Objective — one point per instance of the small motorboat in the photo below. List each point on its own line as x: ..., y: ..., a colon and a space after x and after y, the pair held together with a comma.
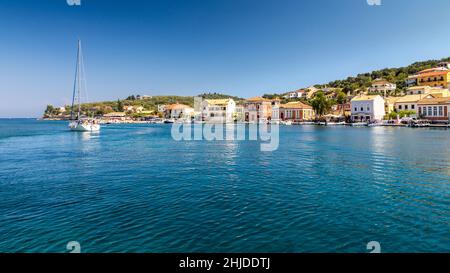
x: 418, y: 123
x: 374, y: 124
x: 359, y: 124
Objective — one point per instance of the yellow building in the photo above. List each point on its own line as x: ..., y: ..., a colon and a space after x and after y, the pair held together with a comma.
x: 389, y: 104
x: 434, y: 78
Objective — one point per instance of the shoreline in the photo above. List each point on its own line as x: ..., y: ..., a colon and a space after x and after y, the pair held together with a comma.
x: 105, y: 122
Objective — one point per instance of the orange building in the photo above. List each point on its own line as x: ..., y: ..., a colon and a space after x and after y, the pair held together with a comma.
x: 258, y: 109
x: 296, y: 111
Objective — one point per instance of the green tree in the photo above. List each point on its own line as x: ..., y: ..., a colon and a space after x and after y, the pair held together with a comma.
x: 341, y: 99
x: 49, y: 110
x: 119, y: 106
x: 321, y: 104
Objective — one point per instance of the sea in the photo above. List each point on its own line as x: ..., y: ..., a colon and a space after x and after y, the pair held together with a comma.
x: 133, y: 188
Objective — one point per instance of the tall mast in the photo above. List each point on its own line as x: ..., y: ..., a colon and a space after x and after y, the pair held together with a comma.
x: 75, y: 83
x: 79, y: 76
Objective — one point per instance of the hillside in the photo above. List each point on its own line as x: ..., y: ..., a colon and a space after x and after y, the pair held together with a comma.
x: 150, y: 103
x: 394, y: 75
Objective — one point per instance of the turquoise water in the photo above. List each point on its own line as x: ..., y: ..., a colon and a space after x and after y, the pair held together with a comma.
x: 131, y: 188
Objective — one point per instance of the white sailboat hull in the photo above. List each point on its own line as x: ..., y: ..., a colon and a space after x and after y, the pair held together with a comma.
x: 84, y: 127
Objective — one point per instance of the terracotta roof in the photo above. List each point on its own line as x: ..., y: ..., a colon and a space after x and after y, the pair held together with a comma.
x: 392, y: 99
x: 365, y: 97
x: 441, y: 100
x: 380, y: 81
x: 257, y: 99
x: 218, y: 101
x: 177, y: 106
x: 434, y: 69
x: 435, y: 73
x: 296, y: 105
x: 411, y: 98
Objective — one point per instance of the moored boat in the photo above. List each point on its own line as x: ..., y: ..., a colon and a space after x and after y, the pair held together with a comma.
x: 418, y: 123
x: 358, y: 124
x: 78, y: 123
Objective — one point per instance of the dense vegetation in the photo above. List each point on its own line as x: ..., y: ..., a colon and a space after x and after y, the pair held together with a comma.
x: 394, y: 75
x: 150, y: 104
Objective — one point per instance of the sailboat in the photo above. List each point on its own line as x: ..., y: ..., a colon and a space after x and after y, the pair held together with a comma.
x: 77, y: 122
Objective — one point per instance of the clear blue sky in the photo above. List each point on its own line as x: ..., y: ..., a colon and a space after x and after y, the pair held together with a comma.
x: 185, y: 47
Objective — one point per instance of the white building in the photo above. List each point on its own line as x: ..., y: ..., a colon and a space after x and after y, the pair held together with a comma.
x: 382, y: 86
x: 218, y: 110
x: 367, y: 108
x: 161, y: 108
x: 297, y: 94
x: 178, y: 110
x: 240, y: 113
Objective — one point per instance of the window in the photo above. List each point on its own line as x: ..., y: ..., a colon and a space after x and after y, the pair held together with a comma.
x: 406, y: 107
x: 356, y: 109
x: 362, y: 109
x: 440, y: 111
x: 435, y: 111
x: 400, y: 107
x: 368, y: 108
x: 412, y: 106
x: 429, y: 111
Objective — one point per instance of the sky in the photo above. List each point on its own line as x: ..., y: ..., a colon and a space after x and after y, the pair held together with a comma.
x: 186, y: 47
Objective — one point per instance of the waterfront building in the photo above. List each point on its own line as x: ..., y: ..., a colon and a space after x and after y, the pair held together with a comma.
x: 239, y: 115
x: 367, y: 108
x: 382, y: 86
x: 115, y: 117
x: 177, y: 110
x: 434, y: 109
x: 275, y: 110
x: 389, y: 104
x: 296, y: 111
x: 342, y: 109
x: 258, y: 109
x: 218, y: 110
x: 408, y: 102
